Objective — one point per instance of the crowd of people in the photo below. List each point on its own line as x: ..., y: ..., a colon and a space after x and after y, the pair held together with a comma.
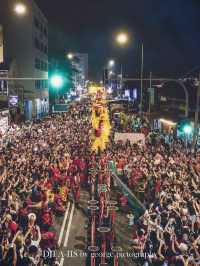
x: 166, y: 179
x: 130, y: 123
x: 42, y: 164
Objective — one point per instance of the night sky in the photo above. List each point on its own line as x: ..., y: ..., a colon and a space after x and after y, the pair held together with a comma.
x: 170, y: 31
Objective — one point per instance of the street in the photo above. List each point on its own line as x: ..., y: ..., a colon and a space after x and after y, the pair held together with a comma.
x: 99, y: 133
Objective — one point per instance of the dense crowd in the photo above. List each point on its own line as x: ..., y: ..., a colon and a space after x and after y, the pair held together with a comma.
x: 166, y: 179
x: 40, y: 164
x: 43, y: 164
x: 130, y: 123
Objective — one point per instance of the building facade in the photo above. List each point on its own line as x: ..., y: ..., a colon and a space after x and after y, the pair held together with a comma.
x: 24, y: 52
x: 80, y: 66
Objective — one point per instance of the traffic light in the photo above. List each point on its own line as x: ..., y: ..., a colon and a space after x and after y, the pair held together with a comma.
x: 185, y: 127
x: 57, y: 81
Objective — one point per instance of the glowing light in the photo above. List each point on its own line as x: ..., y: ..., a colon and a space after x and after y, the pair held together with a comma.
x: 111, y: 63
x: 109, y: 90
x: 70, y: 56
x: 122, y: 38
x: 168, y: 122
x: 20, y: 9
x: 56, y: 81
x: 187, y: 129
x: 110, y: 72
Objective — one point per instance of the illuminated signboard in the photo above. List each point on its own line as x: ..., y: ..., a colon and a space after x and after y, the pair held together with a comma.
x: 13, y: 100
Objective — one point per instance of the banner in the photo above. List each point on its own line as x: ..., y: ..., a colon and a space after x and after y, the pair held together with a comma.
x: 132, y: 137
x: 3, y: 125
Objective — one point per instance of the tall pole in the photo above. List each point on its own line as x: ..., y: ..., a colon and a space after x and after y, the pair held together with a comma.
x: 104, y: 83
x: 196, y: 118
x: 141, y: 77
x: 121, y: 82
x: 181, y: 83
x: 150, y: 85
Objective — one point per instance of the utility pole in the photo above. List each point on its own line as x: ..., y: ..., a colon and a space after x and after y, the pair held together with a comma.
x: 141, y: 78
x: 121, y: 82
x: 196, y: 118
x: 150, y: 87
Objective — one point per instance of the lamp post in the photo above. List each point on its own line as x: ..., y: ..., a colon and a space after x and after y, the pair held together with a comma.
x: 141, y: 76
x: 20, y: 9
x: 122, y: 39
x: 70, y: 56
x: 111, y: 63
x: 196, y: 118
x: 107, y: 72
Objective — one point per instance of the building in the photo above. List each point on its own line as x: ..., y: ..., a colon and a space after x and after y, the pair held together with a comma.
x: 24, y: 54
x: 1, y: 44
x: 80, y: 67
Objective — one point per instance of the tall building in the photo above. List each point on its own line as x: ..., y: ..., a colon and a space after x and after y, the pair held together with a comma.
x: 24, y: 54
x: 1, y: 44
x: 80, y: 66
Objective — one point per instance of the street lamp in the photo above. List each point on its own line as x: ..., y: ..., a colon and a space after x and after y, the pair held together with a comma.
x: 110, y: 73
x: 20, y: 9
x: 111, y: 63
x: 122, y: 38
x: 70, y: 56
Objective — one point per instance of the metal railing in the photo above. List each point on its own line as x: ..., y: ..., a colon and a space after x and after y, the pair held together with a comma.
x: 133, y: 201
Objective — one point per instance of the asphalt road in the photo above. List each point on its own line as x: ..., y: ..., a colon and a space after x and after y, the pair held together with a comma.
x: 72, y: 233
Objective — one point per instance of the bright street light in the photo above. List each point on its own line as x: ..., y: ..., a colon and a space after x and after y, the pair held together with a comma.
x: 70, y: 56
x: 122, y: 38
x: 20, y: 9
x: 111, y: 63
x: 110, y: 72
x: 187, y: 129
x: 56, y: 81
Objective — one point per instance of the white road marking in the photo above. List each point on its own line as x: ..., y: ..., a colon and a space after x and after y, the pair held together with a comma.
x: 69, y: 225
x: 63, y: 224
x: 62, y: 261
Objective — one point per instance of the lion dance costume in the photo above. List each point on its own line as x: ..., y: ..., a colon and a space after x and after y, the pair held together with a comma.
x: 100, y: 122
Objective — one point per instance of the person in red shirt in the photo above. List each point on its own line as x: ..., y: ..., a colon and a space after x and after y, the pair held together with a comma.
x: 123, y: 201
x: 157, y: 186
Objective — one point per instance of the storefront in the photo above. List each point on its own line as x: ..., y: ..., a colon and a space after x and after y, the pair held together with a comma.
x: 41, y: 107
x: 4, y: 124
